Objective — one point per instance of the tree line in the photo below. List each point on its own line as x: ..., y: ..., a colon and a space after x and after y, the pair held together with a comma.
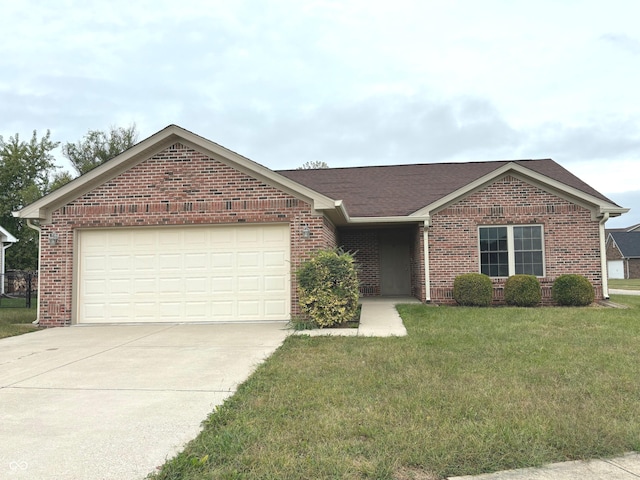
x: 28, y: 171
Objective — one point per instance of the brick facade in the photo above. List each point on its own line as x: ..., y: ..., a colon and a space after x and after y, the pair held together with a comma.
x: 178, y: 186
x: 571, y: 236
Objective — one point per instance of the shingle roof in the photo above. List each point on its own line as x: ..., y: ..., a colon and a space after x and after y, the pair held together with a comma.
x: 628, y: 243
x: 399, y: 190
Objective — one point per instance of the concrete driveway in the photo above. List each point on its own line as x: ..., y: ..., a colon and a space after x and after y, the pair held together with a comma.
x: 114, y: 402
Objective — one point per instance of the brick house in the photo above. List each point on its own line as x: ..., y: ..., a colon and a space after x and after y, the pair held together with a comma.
x: 178, y: 228
x: 623, y: 253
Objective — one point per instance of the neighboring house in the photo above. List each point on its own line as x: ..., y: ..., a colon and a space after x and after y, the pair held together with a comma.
x: 623, y: 253
x: 6, y: 240
x: 178, y: 228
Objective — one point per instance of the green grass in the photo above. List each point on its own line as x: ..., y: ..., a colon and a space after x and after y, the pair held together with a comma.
x: 630, y: 284
x: 469, y: 391
x: 15, y: 319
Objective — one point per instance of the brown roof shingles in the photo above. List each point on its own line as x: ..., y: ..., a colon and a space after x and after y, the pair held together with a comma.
x: 399, y: 190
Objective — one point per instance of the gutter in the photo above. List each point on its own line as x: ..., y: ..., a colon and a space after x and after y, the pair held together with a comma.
x: 37, y: 229
x: 603, y: 257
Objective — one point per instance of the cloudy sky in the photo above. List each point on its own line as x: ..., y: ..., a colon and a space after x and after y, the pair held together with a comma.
x: 346, y: 82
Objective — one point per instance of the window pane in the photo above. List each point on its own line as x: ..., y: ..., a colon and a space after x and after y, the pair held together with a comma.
x: 494, y: 256
x: 528, y: 252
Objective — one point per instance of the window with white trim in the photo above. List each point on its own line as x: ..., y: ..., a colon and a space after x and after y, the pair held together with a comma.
x: 511, y: 249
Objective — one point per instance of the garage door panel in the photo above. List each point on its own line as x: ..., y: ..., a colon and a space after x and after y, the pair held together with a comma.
x: 95, y: 263
x: 274, y: 259
x: 273, y: 284
x: 120, y: 286
x: 223, y: 260
x: 196, y: 261
x: 274, y: 308
x: 249, y: 284
x: 248, y: 260
x: 248, y: 308
x: 222, y: 285
x: 216, y: 273
x: 144, y: 286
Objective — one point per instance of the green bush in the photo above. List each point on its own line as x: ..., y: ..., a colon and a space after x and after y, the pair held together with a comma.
x: 522, y: 291
x: 572, y: 290
x: 473, y: 289
x: 328, y: 287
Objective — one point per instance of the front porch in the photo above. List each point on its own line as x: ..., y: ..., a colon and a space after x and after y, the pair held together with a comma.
x: 390, y: 259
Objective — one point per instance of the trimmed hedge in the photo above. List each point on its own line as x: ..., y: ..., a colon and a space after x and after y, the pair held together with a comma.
x: 572, y: 290
x: 473, y: 290
x: 328, y: 287
x: 522, y: 291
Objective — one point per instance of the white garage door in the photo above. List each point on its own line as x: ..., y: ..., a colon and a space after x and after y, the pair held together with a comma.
x: 616, y: 269
x: 192, y: 274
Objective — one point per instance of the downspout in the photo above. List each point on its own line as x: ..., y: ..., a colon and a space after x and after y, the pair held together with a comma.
x: 427, y: 280
x: 603, y: 257
x: 37, y: 229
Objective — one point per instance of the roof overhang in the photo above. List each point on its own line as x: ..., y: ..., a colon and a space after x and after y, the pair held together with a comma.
x: 597, y: 206
x: 6, y: 237
x: 43, y: 208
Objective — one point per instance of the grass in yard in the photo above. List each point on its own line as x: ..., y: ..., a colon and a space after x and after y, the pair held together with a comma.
x: 14, y: 318
x: 470, y: 390
x: 629, y: 284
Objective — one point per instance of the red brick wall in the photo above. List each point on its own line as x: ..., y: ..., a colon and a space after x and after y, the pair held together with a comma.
x: 178, y: 186
x: 364, y: 243
x: 571, y: 237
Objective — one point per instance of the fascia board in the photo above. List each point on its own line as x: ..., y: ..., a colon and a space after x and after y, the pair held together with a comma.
x: 379, y: 220
x: 41, y: 209
x: 596, y: 205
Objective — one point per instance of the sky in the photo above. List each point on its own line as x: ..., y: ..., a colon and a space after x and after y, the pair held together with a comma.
x: 350, y: 82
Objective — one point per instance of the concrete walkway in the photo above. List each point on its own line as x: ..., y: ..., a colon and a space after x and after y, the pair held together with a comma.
x: 617, y: 291
x: 626, y: 467
x: 378, y: 318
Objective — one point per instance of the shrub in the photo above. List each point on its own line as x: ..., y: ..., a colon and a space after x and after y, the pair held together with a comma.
x: 572, y: 290
x: 328, y: 287
x: 522, y: 291
x: 473, y: 289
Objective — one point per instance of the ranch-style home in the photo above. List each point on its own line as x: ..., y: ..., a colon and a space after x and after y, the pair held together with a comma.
x: 181, y: 229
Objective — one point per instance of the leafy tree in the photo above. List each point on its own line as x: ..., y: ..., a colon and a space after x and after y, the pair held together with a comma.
x: 98, y: 146
x: 25, y: 170
x: 313, y: 164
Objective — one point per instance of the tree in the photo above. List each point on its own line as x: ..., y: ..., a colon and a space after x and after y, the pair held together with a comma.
x: 25, y: 170
x: 313, y: 164
x: 97, y: 146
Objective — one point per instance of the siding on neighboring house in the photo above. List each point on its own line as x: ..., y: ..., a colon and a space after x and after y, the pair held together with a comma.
x: 571, y: 236
x: 178, y: 186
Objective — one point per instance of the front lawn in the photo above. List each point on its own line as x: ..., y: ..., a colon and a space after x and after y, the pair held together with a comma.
x: 14, y: 318
x: 628, y: 284
x: 469, y: 390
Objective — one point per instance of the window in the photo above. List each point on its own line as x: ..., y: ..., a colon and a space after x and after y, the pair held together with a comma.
x: 511, y: 250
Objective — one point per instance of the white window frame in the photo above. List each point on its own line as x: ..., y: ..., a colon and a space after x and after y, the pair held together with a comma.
x: 511, y: 253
